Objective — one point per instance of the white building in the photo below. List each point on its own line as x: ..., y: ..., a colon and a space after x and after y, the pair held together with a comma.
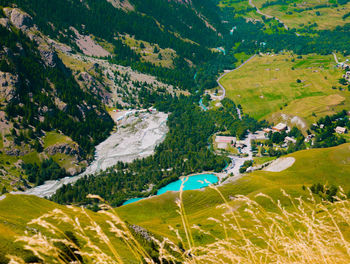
x: 225, y: 139
x: 280, y: 127
x: 340, y: 130
x: 290, y: 140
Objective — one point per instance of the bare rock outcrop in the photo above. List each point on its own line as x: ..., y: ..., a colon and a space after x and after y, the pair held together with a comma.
x: 49, y: 56
x: 88, y: 46
x: 19, y: 18
x: 142, y: 232
x: 65, y: 148
x: 74, y: 170
x: 122, y: 4
x: 5, y: 22
x: 16, y: 152
x: 95, y: 87
x: 8, y: 83
x: 60, y: 104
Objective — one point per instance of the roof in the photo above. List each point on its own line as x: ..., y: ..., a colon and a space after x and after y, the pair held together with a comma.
x: 280, y: 126
x: 289, y: 139
x: 224, y: 139
x: 340, y: 129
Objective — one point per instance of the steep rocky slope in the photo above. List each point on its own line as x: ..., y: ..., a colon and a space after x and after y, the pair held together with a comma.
x: 39, y: 95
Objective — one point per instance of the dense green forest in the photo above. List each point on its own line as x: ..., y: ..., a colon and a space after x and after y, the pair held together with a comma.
x: 47, y: 170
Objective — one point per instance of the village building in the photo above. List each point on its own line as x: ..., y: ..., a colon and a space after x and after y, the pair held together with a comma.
x: 290, y: 140
x: 342, y: 65
x: 260, y: 135
x: 346, y: 76
x: 225, y: 139
x: 267, y: 130
x: 340, y: 130
x: 240, y: 144
x: 280, y: 127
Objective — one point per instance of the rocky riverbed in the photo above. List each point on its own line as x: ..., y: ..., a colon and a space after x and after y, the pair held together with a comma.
x: 137, y: 136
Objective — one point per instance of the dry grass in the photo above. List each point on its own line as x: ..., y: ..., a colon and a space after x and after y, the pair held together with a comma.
x: 310, y: 232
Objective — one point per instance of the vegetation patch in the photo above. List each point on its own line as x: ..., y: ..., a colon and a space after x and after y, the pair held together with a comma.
x: 324, y: 14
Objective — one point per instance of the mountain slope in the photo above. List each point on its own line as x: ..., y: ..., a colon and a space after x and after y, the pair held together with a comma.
x: 40, y: 95
x: 55, y: 89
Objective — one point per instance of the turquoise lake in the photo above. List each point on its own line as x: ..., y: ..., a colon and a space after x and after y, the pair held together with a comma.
x: 193, y: 183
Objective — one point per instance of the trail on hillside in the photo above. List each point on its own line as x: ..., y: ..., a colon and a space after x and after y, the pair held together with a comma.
x: 335, y: 58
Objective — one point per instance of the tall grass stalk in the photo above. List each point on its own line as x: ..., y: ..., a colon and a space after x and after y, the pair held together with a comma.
x: 299, y: 230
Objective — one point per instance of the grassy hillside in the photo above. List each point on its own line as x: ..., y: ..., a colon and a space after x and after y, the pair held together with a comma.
x: 298, y: 14
x: 204, y: 209
x: 331, y: 166
x: 151, y: 53
x: 271, y: 85
x: 18, y: 210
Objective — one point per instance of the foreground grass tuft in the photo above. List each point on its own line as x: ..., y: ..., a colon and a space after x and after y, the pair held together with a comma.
x: 309, y: 231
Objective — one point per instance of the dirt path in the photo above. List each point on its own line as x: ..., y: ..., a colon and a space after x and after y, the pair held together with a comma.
x: 336, y: 58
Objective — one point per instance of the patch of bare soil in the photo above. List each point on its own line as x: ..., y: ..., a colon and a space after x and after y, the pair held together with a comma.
x: 280, y: 164
x: 88, y: 46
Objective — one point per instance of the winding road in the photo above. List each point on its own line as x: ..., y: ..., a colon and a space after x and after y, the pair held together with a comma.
x: 335, y: 58
x: 236, y: 161
x: 223, y: 75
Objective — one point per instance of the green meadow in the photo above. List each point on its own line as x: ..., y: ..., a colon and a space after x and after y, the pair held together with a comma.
x: 271, y: 85
x: 299, y: 13
x: 325, y: 166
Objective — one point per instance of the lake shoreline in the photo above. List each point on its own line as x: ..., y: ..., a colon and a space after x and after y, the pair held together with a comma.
x: 177, y: 182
